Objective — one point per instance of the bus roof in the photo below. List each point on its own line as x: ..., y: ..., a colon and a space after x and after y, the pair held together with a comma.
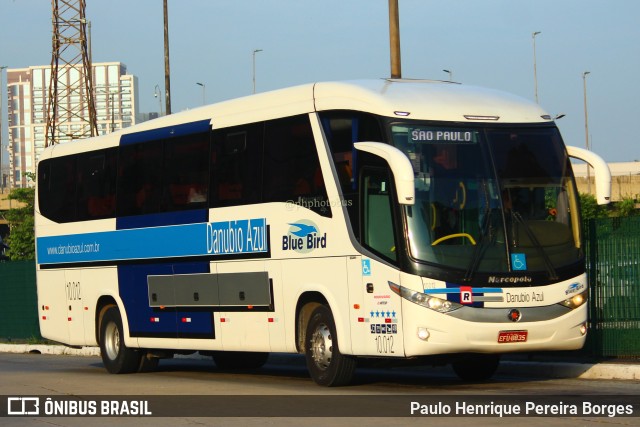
x: 413, y: 99
x: 428, y: 100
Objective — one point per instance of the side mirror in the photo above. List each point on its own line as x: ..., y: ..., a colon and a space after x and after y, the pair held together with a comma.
x: 400, y: 167
x: 601, y: 169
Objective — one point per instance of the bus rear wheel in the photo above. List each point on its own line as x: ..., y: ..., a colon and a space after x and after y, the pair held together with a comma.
x: 326, y: 365
x: 116, y: 356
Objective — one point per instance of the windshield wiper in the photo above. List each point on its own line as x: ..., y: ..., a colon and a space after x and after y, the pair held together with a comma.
x: 536, y: 243
x: 481, y: 247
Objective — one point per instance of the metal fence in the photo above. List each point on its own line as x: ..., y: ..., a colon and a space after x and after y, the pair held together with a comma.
x: 18, y: 301
x: 613, y: 269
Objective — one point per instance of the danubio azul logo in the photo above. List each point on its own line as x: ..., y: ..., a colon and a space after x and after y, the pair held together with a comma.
x: 237, y: 237
x: 246, y: 236
x: 303, y: 237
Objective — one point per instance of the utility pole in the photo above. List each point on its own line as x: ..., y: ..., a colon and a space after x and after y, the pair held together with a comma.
x: 394, y: 39
x: 167, y: 70
x: 586, y: 126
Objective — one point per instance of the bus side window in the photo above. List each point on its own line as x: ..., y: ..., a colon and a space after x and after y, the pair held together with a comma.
x: 291, y: 166
x: 97, y: 184
x: 377, y: 221
x: 139, y: 178
x: 57, y: 188
x: 236, y: 168
x: 186, y: 172
x: 342, y: 129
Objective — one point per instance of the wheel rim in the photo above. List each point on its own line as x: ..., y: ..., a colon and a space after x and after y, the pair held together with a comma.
x: 112, y: 341
x: 322, y: 346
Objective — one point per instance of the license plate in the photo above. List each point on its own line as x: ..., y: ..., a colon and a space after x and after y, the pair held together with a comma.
x: 512, y: 336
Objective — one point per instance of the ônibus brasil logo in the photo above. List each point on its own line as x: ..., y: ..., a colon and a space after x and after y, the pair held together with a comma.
x: 303, y: 237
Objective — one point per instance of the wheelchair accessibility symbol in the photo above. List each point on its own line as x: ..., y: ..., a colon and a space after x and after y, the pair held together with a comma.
x: 366, y: 267
x: 519, y: 262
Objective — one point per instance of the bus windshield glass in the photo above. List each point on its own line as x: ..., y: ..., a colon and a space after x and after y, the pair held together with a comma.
x: 490, y: 200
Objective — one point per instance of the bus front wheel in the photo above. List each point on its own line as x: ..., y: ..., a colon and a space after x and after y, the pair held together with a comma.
x: 116, y: 356
x: 326, y: 365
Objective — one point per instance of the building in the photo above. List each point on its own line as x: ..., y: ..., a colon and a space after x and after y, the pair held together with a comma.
x: 116, y: 101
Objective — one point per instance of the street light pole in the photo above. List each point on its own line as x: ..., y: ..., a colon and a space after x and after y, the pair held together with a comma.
x: 586, y: 126
x: 157, y: 93
x: 167, y: 69
x: 204, y: 97
x: 254, y: 68
x: 535, y: 71
x: 2, y: 67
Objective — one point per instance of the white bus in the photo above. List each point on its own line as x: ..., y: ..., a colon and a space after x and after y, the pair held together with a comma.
x: 410, y: 221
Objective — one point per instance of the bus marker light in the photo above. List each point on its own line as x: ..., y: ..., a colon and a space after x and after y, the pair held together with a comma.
x: 583, y: 328
x: 44, y: 317
x: 423, y: 334
x: 68, y: 319
x: 360, y: 319
x: 476, y: 117
x: 356, y: 306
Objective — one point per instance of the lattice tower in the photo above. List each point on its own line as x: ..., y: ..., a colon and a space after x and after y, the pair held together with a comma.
x: 71, y: 112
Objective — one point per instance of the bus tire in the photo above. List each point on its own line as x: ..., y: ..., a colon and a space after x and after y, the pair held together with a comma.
x: 326, y: 365
x: 116, y: 356
x: 479, y: 367
x: 233, y: 360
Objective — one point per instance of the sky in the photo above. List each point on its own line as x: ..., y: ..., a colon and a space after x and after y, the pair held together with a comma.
x: 482, y: 42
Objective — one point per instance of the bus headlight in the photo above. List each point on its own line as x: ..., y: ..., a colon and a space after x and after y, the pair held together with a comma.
x: 433, y: 303
x: 576, y: 300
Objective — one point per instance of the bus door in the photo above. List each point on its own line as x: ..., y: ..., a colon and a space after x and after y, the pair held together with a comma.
x: 380, y: 307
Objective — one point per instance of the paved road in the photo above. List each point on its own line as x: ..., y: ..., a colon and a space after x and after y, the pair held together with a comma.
x: 292, y: 391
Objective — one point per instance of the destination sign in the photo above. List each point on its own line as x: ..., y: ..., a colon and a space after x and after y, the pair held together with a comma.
x: 443, y: 135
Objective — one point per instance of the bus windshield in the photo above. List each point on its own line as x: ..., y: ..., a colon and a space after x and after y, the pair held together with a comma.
x: 490, y: 200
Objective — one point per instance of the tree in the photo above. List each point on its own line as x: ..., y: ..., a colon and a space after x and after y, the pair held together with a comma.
x: 626, y: 207
x: 589, y: 207
x: 21, y: 240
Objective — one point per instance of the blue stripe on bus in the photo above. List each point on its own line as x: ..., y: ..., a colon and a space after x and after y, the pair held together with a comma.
x: 452, y: 293
x: 166, y: 132
x: 456, y: 290
x: 247, y: 236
